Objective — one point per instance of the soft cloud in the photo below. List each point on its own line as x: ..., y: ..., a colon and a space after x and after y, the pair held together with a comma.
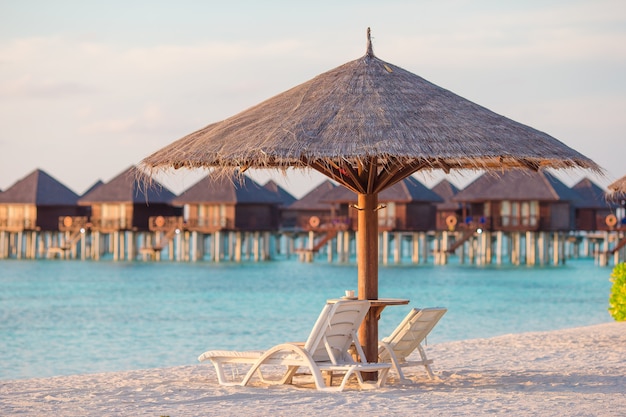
x: 28, y: 86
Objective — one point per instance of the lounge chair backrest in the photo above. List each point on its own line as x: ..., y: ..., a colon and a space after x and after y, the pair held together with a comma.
x: 335, y: 329
x: 412, y: 331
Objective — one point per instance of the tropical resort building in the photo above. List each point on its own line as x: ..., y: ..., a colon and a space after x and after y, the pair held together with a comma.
x: 29, y: 217
x: 523, y: 215
x: 448, y: 211
x: 231, y: 217
x: 406, y: 213
x: 121, y: 212
x: 512, y: 217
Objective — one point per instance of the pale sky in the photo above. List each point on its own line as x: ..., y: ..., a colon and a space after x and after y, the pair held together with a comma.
x: 89, y: 88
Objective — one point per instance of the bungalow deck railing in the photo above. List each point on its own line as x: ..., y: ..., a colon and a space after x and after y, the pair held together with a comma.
x: 165, y: 223
x: 320, y: 223
x: 209, y: 224
x: 17, y: 225
x: 110, y: 224
x: 502, y: 223
x: 73, y: 223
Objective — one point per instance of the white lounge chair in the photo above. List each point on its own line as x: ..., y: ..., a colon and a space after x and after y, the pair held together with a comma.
x: 326, y: 350
x: 407, y: 337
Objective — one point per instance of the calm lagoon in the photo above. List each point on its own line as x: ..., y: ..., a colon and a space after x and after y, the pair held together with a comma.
x: 70, y: 317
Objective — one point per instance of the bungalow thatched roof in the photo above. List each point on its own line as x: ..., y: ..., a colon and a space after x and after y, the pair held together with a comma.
x: 93, y: 187
x: 221, y: 190
x: 446, y: 190
x: 364, y: 109
x: 592, y: 196
x: 406, y: 191
x: 285, y: 198
x: 40, y: 189
x: 125, y: 188
x: 312, y: 200
x: 517, y: 185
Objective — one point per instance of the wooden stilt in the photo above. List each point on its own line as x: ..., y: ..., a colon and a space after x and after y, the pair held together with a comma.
x: 238, y: 247
x: 385, y: 251
x: 415, y: 254
x: 397, y: 248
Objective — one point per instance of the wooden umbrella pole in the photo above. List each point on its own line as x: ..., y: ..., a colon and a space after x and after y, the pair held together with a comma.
x: 367, y: 262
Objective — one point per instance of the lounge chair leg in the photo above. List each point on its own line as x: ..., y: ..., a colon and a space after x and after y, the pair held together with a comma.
x: 328, y: 378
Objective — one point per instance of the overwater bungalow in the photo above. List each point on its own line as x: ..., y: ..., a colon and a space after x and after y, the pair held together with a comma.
x: 406, y: 212
x: 528, y: 208
x: 593, y: 210
x: 285, y: 199
x: 123, y: 208
x: 449, y: 211
x: 214, y: 204
x: 406, y: 206
x: 29, y: 215
x: 309, y: 211
x: 518, y: 200
x: 235, y: 209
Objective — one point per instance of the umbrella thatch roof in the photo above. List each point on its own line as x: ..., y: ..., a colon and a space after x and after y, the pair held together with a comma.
x: 367, y: 113
x: 41, y: 189
x: 618, y: 186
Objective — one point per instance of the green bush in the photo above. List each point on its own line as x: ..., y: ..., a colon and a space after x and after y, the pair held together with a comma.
x: 617, y: 299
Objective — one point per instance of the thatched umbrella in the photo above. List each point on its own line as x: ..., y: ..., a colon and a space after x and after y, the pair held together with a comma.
x: 367, y: 125
x: 619, y: 186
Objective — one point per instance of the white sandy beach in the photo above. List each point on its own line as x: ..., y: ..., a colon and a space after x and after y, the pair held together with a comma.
x: 573, y: 372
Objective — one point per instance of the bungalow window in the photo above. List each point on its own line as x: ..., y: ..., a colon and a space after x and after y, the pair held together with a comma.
x: 534, y: 213
x: 387, y: 215
x: 519, y: 213
x: 525, y: 212
x: 505, y: 212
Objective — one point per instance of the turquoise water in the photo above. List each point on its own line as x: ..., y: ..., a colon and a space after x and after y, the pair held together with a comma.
x: 69, y: 317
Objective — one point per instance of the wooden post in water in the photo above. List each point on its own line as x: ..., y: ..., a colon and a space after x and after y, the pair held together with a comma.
x: 397, y: 253
x: 436, y: 251
x: 444, y: 248
x: 555, y: 248
x: 385, y: 251
x: 2, y: 244
x: 499, y: 246
x: 238, y: 247
x: 530, y: 248
x: 267, y: 246
x: 424, y: 246
x: 415, y: 255
x: 461, y: 249
x: 83, y: 245
x: 217, y: 246
x: 254, y: 246
x: 19, y: 244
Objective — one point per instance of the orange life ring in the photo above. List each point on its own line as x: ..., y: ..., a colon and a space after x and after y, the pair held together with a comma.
x: 67, y: 221
x: 611, y: 220
x: 451, y: 221
x: 314, y: 221
x: 159, y: 221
